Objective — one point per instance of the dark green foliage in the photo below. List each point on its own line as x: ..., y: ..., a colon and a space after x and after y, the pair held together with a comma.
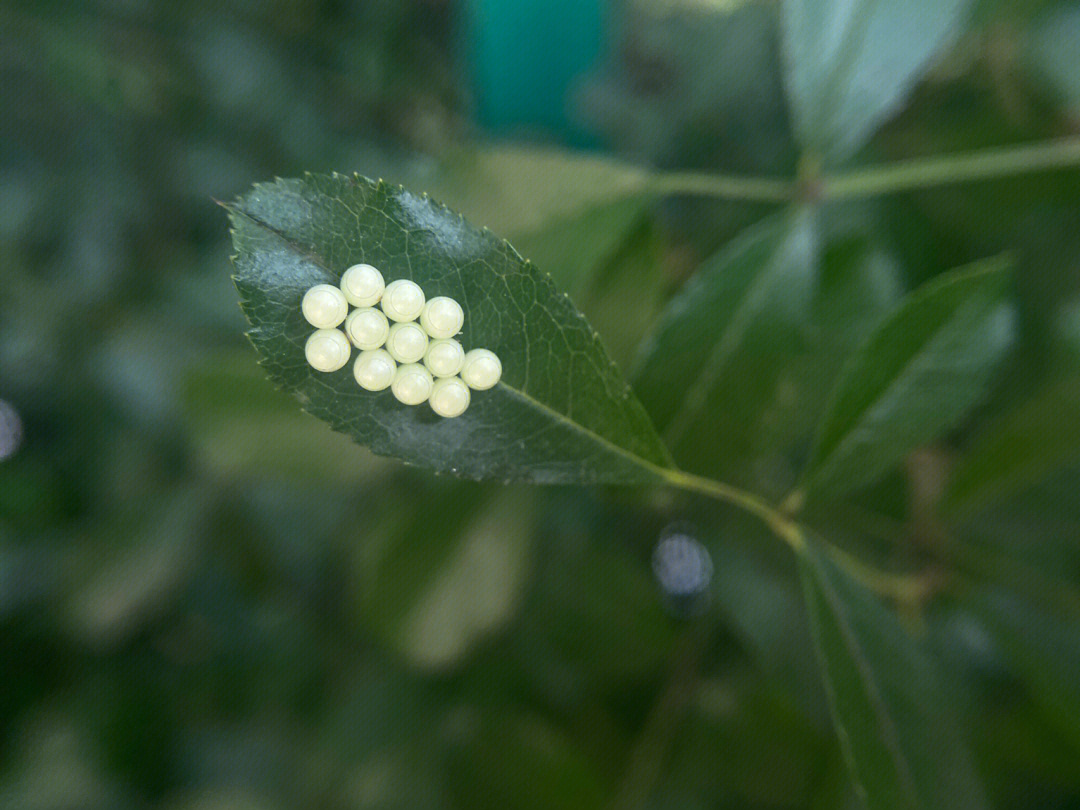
x: 210, y: 599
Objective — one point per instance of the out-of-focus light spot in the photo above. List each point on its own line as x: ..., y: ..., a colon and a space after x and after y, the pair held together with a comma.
x: 682, y: 565
x: 11, y: 430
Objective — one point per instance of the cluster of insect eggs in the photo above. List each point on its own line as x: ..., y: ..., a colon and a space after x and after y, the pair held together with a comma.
x: 406, y: 341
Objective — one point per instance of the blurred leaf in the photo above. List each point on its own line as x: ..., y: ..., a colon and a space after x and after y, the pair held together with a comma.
x: 744, y: 745
x: 1052, y: 52
x: 696, y: 85
x: 520, y: 190
x: 859, y: 285
x: 565, y: 212
x: 573, y: 250
x: 892, y: 712
x: 628, y: 291
x: 718, y: 350
x: 562, y: 412
x: 520, y: 761
x: 477, y: 589
x: 56, y: 771
x: 762, y: 606
x: 594, y: 621
x: 1020, y: 448
x: 1027, y: 541
x: 400, y: 778
x: 851, y: 63
x: 915, y: 377
x: 230, y: 410
x: 433, y: 594
x: 131, y: 590
x: 1044, y: 649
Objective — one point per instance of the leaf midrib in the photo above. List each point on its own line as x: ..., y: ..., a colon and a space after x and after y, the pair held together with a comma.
x: 698, y: 391
x: 652, y: 467
x: 828, y: 459
x: 890, y: 736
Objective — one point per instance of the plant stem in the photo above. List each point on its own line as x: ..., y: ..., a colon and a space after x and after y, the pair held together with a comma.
x: 784, y: 528
x: 750, y: 189
x: 909, y: 589
x: 873, y: 181
x: 926, y: 172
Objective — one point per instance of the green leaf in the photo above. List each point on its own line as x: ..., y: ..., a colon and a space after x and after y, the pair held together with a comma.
x: 433, y: 595
x: 561, y: 414
x: 721, y: 345
x: 594, y: 621
x: 519, y: 190
x: 1020, y: 448
x: 566, y: 212
x: 851, y: 63
x: 916, y: 376
x: 1044, y: 649
x: 628, y: 292
x: 229, y: 409
x: 514, y: 759
x: 1051, y: 53
x: 887, y: 696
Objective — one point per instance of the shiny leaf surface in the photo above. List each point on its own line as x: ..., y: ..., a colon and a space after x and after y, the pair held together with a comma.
x: 561, y: 414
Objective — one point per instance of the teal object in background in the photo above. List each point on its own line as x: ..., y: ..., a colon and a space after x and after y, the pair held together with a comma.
x: 525, y: 57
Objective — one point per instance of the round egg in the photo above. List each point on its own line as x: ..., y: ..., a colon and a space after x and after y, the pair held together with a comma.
x: 327, y: 349
x: 374, y: 370
x: 402, y: 300
x: 481, y: 369
x: 407, y: 342
x: 362, y: 285
x: 449, y: 397
x: 442, y: 317
x: 324, y: 306
x: 444, y: 358
x: 412, y: 384
x: 367, y: 328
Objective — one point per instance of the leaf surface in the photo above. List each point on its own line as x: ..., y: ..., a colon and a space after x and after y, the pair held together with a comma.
x: 851, y: 63
x: 1020, y: 448
x: 1044, y: 649
x: 916, y: 376
x: 888, y: 698
x: 720, y: 347
x: 562, y: 413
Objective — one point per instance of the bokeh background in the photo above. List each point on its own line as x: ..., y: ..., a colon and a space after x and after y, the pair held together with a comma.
x: 209, y: 600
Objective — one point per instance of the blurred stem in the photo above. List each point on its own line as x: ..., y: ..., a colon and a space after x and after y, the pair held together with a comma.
x: 784, y: 528
x: 751, y: 189
x: 903, y: 588
x: 906, y: 589
x: 646, y: 759
x: 811, y: 185
x: 926, y: 172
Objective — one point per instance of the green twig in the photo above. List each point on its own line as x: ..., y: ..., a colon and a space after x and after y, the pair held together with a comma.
x: 784, y: 528
x: 749, y: 189
x: 903, y: 588
x: 873, y: 181
x: 926, y: 172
